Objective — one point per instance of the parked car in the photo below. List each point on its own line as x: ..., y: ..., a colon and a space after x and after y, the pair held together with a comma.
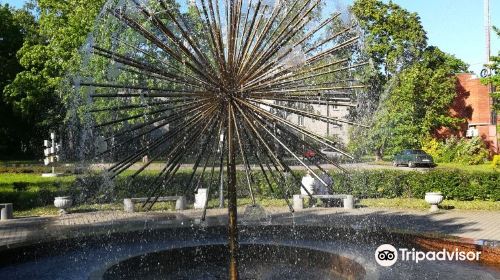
x: 413, y: 158
x: 309, y: 154
x: 331, y: 153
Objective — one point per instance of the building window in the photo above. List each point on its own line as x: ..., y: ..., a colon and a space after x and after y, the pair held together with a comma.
x: 472, y: 132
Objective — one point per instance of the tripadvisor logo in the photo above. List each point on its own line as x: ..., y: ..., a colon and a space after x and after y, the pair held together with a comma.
x: 388, y: 255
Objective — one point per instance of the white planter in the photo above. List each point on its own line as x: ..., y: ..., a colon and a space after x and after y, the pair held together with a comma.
x: 63, y: 203
x: 308, y: 184
x: 433, y: 198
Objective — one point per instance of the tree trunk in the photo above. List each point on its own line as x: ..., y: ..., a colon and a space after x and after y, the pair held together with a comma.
x: 379, y: 155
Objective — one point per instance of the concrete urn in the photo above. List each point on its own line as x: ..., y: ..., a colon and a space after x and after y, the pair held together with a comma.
x: 434, y: 198
x: 63, y: 203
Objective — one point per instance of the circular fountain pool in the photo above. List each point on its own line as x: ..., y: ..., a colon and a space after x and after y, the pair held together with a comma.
x: 257, y: 261
x: 199, y: 252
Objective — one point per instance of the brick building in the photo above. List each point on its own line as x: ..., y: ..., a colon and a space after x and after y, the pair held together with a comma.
x: 473, y: 103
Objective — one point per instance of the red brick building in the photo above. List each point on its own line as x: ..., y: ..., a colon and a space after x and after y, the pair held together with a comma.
x: 473, y: 103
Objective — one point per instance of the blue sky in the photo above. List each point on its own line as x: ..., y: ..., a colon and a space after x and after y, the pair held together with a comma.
x: 455, y: 26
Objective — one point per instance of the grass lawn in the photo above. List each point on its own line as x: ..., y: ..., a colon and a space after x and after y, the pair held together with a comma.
x: 32, y: 178
x: 19, y: 162
x: 420, y: 204
x: 33, y: 182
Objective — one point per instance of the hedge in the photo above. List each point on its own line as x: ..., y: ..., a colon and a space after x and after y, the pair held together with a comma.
x: 457, y: 185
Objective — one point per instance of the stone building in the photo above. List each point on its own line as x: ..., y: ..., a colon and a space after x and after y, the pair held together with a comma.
x: 334, y: 130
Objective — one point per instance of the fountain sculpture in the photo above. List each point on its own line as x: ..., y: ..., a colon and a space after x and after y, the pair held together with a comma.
x: 211, y: 82
x: 164, y: 80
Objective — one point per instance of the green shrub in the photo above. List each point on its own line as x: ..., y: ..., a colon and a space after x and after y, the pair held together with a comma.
x: 24, y: 200
x: 20, y: 186
x: 454, y: 184
x: 495, y: 163
x: 96, y: 189
x: 462, y: 150
x: 28, y: 191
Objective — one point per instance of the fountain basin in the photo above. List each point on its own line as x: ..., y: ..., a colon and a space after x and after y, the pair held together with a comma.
x: 256, y: 261
x: 268, y: 251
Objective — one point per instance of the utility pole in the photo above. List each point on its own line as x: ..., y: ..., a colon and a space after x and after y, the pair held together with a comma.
x: 487, y: 29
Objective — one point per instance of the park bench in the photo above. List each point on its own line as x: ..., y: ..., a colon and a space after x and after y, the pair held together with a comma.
x: 129, y: 203
x: 298, y: 199
x: 6, y: 211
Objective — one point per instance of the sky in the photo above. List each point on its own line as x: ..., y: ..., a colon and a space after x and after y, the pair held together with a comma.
x: 455, y: 26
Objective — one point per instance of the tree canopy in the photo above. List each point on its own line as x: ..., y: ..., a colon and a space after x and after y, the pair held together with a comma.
x: 419, y: 102
x: 52, y: 48
x: 494, y: 79
x: 14, y: 30
x: 413, y: 84
x: 394, y: 37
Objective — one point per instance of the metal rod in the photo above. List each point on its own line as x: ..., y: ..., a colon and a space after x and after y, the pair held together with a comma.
x: 245, y: 163
x: 279, y: 166
x: 231, y: 198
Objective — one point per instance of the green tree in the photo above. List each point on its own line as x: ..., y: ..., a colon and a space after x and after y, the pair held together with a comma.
x: 53, y: 49
x: 494, y: 79
x: 393, y: 40
x: 394, y: 37
x: 418, y: 102
x: 11, y: 40
x: 14, y: 29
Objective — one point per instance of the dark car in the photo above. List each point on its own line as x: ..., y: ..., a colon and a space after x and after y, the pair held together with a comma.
x: 413, y: 158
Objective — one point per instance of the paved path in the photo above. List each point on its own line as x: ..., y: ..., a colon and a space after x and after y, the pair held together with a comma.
x: 476, y: 225
x: 349, y: 166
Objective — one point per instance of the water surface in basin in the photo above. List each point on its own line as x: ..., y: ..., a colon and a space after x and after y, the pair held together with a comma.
x: 257, y: 261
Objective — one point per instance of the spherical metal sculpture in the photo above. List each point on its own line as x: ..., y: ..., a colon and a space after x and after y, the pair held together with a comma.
x: 213, y: 79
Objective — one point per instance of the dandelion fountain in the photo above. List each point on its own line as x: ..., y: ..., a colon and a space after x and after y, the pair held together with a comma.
x: 210, y: 81
x: 218, y: 68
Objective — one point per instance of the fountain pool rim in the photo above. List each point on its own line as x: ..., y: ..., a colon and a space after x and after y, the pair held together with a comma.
x: 354, y: 243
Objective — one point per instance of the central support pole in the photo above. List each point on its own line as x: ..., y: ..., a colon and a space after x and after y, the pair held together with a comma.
x: 231, y: 197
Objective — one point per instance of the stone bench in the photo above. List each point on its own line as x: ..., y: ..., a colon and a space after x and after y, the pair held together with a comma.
x: 298, y: 200
x: 129, y: 203
x: 6, y: 211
